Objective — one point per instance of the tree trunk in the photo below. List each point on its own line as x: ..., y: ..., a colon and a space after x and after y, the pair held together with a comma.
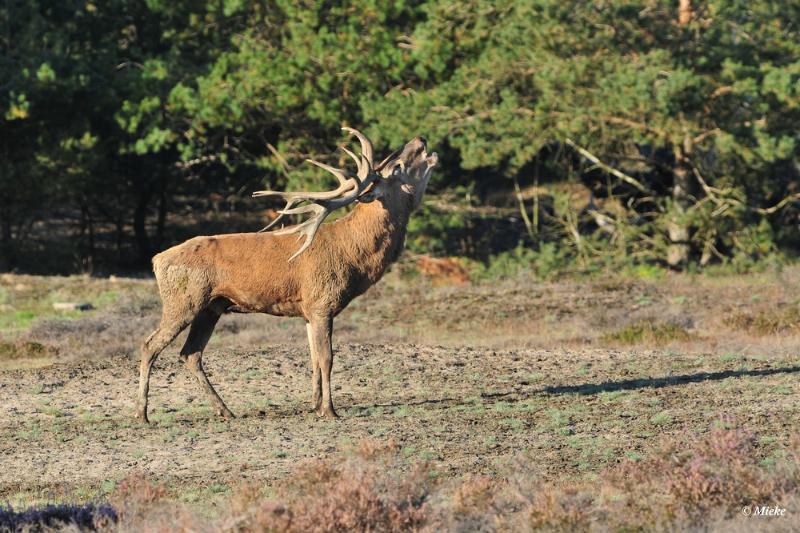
x: 685, y: 12
x: 7, y: 255
x: 87, y: 232
x: 677, y: 228
x: 682, y: 191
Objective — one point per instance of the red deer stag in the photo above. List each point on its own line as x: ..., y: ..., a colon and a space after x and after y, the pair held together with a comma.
x: 205, y: 277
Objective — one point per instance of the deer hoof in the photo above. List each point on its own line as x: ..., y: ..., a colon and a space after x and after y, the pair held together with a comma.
x: 328, y: 413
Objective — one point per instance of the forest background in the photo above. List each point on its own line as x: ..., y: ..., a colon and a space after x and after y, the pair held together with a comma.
x: 574, y: 136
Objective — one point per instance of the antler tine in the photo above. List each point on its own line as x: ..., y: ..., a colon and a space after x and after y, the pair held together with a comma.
x: 366, y: 144
x: 345, y: 184
x: 321, y: 210
x: 293, y: 198
x: 363, y: 170
x: 323, y: 203
x: 281, y: 214
x: 307, y: 229
x: 333, y: 170
x: 311, y: 196
x: 353, y: 156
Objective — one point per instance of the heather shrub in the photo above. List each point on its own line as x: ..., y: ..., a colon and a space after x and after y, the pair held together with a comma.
x: 701, y: 485
x: 567, y: 508
x: 144, y: 505
x: 136, y: 493
x: 111, y: 334
x: 477, y: 503
x: 679, y: 487
x: 363, y: 492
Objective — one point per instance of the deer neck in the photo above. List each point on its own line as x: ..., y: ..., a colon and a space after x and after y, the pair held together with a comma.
x: 375, y: 234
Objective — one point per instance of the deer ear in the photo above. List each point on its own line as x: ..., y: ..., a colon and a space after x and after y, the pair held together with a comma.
x: 372, y: 195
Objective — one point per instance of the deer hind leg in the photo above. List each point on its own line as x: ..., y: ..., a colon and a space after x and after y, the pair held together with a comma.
x: 321, y: 329
x: 192, y: 353
x: 154, y: 345
x: 316, y: 375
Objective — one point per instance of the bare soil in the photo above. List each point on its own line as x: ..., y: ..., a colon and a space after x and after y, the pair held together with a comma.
x: 474, y: 379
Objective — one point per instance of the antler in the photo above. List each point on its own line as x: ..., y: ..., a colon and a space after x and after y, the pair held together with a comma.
x: 323, y: 203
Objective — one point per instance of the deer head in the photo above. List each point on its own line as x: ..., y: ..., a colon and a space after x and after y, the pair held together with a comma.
x: 405, y: 172
x: 409, y: 169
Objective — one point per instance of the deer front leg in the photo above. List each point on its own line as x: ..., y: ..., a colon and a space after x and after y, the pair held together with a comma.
x: 316, y: 375
x: 321, y: 329
x: 194, y: 363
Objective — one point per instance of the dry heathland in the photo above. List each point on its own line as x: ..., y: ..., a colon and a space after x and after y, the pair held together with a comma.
x: 605, y: 403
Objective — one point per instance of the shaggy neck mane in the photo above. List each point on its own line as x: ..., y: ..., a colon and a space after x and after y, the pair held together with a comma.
x: 371, y: 237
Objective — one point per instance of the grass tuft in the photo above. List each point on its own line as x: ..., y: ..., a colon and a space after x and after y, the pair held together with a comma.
x: 25, y: 350
x: 649, y: 332
x: 767, y: 322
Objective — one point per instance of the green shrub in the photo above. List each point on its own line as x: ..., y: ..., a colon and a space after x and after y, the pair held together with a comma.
x: 547, y: 262
x: 648, y: 331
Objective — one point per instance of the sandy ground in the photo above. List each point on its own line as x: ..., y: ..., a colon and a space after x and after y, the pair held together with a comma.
x: 489, y: 379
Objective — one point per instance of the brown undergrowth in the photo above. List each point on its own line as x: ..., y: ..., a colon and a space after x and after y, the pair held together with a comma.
x: 442, y: 270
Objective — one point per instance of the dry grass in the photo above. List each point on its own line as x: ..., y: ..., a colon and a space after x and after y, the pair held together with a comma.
x: 428, y: 300
x: 25, y: 350
x: 782, y: 319
x: 535, y: 435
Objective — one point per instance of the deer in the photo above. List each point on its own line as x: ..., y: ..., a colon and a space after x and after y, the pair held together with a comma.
x: 267, y: 272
